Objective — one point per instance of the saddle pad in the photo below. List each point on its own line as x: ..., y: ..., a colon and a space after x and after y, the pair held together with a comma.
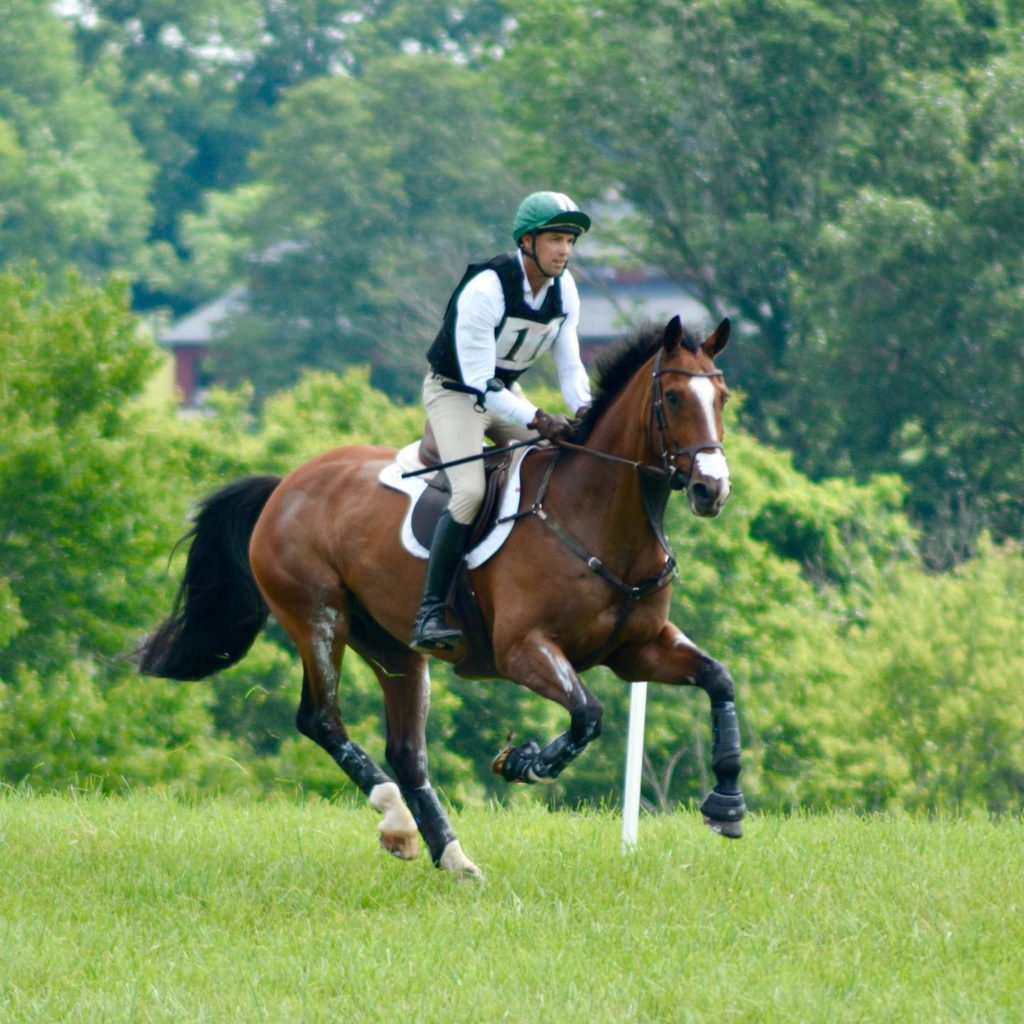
x: 414, y: 486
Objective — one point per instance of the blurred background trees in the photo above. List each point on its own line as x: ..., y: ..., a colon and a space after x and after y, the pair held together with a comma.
x: 842, y: 180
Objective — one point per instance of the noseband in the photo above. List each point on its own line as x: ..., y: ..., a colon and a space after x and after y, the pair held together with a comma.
x: 669, y: 451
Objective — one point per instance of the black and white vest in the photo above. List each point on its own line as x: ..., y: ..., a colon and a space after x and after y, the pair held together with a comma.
x: 523, y: 335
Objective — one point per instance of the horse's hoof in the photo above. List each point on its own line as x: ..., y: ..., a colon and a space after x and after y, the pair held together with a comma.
x: 499, y: 762
x: 398, y: 834
x: 516, y: 769
x: 456, y: 863
x: 729, y: 829
x: 403, y: 845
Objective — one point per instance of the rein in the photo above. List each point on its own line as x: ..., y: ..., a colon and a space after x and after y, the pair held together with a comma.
x: 656, y: 483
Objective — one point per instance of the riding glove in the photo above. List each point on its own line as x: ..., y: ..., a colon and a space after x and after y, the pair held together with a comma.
x: 552, y: 427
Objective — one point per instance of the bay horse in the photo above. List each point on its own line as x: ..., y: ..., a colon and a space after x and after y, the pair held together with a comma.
x: 582, y: 580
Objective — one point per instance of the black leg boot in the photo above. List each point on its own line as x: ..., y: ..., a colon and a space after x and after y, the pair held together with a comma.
x: 430, y: 631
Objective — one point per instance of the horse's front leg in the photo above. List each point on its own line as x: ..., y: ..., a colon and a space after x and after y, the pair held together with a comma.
x: 672, y: 658
x: 537, y: 663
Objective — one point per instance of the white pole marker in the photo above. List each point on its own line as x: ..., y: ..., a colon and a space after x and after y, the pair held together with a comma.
x: 634, y: 765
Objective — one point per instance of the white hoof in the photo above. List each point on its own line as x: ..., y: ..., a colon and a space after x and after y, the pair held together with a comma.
x: 398, y: 833
x: 457, y: 863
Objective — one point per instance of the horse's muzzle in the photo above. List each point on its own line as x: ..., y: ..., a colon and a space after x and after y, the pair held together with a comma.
x: 707, y: 497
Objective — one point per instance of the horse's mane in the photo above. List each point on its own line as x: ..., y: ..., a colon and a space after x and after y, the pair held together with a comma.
x: 616, y: 367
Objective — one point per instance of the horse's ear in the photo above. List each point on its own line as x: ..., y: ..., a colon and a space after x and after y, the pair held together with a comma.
x: 716, y: 341
x: 676, y: 334
x: 673, y: 335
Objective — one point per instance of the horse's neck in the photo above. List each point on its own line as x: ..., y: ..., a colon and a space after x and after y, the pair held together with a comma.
x: 606, y: 494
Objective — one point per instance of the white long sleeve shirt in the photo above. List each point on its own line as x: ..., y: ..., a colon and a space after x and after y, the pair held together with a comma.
x: 481, y: 309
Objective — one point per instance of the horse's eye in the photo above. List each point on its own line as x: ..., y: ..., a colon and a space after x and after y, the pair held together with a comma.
x: 672, y: 399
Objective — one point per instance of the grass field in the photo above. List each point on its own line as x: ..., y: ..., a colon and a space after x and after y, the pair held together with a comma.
x: 150, y: 909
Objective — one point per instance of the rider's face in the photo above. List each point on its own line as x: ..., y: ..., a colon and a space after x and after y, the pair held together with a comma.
x: 552, y: 251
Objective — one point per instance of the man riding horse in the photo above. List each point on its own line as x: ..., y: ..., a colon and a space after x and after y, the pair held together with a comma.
x: 321, y: 549
x: 504, y: 314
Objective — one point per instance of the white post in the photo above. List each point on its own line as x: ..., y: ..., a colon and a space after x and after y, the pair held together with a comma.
x: 634, y: 765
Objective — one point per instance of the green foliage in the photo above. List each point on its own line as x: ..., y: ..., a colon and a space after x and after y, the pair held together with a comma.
x: 324, y: 411
x: 82, y: 725
x: 73, y: 182
x: 82, y: 524
x: 199, y: 84
x: 77, y: 506
x: 842, y: 177
x: 771, y: 588
x: 911, y: 301
x: 939, y: 712
x: 372, y: 207
x: 862, y: 681
x: 175, y: 73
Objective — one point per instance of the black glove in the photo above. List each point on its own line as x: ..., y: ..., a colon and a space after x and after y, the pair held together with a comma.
x: 552, y: 428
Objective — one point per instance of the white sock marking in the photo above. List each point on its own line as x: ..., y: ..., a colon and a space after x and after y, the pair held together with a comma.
x: 387, y: 799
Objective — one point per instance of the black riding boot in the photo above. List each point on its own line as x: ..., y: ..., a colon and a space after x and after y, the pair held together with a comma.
x: 430, y: 631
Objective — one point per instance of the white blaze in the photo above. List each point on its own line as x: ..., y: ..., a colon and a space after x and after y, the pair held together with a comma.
x: 710, y: 464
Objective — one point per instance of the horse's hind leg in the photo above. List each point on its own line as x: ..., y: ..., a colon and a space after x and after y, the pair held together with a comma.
x: 397, y: 827
x: 404, y: 678
x: 320, y: 629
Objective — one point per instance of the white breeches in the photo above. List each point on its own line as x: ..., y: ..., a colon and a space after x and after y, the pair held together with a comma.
x: 460, y: 428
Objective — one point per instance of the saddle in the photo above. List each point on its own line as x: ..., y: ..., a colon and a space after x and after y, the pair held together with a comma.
x: 429, y: 495
x: 434, y: 500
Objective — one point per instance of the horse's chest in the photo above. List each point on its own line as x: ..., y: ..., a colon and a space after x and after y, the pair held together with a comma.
x: 604, y: 628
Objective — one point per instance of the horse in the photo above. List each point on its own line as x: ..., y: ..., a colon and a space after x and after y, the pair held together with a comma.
x: 582, y: 580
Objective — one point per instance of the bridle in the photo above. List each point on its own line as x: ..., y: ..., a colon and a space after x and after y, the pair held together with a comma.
x: 662, y: 442
x: 669, y: 451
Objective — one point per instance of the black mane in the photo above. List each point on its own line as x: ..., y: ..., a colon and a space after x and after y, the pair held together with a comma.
x: 616, y: 367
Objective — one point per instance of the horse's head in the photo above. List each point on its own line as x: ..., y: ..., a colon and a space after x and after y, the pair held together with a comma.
x: 688, y: 395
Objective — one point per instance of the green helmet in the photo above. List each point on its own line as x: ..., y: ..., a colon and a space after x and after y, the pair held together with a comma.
x: 549, y: 211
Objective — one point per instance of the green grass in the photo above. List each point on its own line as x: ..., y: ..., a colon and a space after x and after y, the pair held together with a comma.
x: 148, y: 909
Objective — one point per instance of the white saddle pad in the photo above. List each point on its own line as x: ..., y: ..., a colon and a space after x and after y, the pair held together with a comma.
x: 508, y: 502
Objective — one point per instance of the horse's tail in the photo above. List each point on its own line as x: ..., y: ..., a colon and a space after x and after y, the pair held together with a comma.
x: 218, y: 611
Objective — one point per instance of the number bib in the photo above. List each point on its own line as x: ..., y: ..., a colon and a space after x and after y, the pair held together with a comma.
x: 520, y: 342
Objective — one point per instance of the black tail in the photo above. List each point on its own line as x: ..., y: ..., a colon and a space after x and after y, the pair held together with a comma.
x: 219, y: 610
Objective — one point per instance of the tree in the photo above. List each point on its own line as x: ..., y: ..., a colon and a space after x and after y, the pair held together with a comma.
x: 199, y: 84
x: 73, y: 182
x: 839, y: 176
x: 85, y: 500
x: 939, y: 714
x: 369, y: 210
x: 917, y: 313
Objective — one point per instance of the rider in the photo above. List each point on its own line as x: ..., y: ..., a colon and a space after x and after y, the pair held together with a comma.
x: 503, y: 315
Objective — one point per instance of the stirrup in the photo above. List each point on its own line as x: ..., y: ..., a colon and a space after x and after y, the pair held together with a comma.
x: 431, y: 633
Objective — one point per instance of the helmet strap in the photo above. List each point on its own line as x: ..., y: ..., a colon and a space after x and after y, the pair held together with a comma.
x: 531, y: 253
